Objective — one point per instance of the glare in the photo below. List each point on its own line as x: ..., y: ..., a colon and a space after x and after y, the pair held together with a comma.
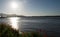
x: 14, y: 22
x: 14, y: 5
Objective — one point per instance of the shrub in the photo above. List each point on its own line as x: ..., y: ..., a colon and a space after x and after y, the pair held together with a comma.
x: 8, y: 31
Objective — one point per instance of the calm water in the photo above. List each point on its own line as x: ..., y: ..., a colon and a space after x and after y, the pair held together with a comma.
x: 28, y: 24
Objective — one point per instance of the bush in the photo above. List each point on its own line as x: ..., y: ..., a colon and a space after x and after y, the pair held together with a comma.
x: 8, y: 31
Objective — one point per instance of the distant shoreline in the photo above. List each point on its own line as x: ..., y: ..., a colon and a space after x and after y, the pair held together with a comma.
x: 30, y: 16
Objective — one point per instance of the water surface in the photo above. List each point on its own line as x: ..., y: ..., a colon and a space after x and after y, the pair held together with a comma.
x: 29, y: 24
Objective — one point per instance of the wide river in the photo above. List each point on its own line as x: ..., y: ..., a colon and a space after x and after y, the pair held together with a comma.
x: 30, y: 24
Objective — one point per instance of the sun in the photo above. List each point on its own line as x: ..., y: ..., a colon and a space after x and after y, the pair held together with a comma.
x: 14, y: 5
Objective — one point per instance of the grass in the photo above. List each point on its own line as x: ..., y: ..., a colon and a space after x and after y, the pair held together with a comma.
x: 8, y: 31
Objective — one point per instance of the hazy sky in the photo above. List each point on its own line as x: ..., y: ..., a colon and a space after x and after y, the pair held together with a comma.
x: 30, y: 7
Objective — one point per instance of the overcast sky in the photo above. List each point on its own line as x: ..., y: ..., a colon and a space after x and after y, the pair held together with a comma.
x: 30, y: 7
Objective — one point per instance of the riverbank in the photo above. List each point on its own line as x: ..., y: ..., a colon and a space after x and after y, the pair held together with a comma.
x: 8, y: 31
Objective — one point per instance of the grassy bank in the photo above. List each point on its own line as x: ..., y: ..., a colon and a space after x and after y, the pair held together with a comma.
x: 8, y: 31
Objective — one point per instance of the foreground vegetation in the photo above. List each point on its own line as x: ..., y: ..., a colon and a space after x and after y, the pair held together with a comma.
x: 8, y: 31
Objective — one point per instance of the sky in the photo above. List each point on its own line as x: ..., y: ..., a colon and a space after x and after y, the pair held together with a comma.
x: 30, y: 7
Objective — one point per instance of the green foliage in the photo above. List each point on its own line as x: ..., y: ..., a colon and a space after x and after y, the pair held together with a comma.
x: 8, y: 31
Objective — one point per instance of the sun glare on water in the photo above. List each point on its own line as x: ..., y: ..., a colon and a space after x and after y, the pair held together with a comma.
x: 14, y: 22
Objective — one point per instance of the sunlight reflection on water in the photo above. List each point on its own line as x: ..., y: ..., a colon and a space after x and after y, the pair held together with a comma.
x: 14, y: 22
